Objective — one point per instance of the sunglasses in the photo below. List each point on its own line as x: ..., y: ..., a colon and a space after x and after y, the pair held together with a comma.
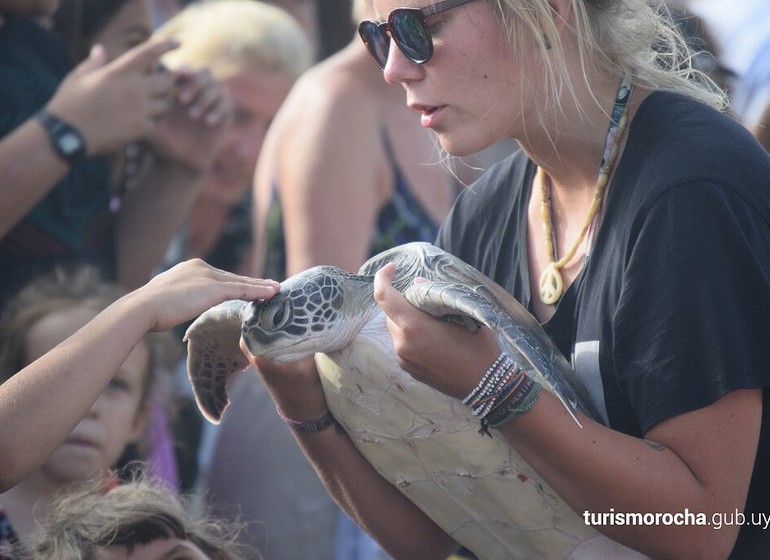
x: 408, y: 28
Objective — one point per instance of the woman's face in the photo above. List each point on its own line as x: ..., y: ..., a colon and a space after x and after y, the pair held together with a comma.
x: 130, y: 26
x: 113, y: 421
x: 470, y: 92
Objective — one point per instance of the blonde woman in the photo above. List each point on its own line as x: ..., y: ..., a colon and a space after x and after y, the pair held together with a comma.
x: 633, y: 222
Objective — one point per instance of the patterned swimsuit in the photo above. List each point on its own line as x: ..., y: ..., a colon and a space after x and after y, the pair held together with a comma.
x: 401, y: 220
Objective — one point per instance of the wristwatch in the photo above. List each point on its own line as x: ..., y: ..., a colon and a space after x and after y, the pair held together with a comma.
x: 65, y: 139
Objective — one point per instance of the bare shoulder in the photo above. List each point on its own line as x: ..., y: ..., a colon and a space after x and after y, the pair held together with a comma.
x: 333, y: 91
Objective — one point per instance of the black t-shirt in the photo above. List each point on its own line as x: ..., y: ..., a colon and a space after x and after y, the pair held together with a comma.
x: 670, y: 311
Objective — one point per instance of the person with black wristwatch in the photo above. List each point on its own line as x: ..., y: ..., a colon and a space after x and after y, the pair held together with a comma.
x: 58, y: 127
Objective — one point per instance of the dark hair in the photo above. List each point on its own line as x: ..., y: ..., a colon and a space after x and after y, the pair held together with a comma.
x: 79, y: 21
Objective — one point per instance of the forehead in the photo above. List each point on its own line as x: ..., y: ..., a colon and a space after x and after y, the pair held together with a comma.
x: 55, y: 327
x: 258, y: 92
x: 159, y: 549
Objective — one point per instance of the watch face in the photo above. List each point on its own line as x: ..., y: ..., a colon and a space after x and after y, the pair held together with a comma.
x: 69, y: 143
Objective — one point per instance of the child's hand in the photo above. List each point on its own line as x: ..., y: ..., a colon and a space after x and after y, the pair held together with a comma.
x: 192, y: 287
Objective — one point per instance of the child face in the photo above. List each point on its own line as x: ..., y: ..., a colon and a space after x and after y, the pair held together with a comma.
x: 130, y: 26
x: 114, y: 420
x: 159, y: 549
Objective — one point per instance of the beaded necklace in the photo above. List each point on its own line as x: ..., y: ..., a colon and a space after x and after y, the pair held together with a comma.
x: 551, y: 281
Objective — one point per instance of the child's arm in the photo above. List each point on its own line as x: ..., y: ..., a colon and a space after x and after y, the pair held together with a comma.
x: 41, y: 404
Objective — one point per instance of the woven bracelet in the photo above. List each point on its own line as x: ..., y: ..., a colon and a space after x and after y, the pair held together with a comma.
x: 326, y: 421
x: 519, y: 403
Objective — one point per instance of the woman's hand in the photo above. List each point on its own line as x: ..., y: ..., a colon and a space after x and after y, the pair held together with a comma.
x: 294, y: 386
x: 443, y: 355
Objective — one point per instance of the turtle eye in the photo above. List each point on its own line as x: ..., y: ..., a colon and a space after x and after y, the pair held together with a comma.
x: 279, y: 315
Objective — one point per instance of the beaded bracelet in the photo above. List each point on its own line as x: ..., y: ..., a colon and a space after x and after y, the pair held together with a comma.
x: 499, y: 389
x: 326, y: 421
x: 504, y: 393
x: 492, y: 374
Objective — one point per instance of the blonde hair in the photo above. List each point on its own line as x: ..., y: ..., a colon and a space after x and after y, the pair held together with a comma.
x: 231, y: 36
x: 762, y: 129
x: 360, y: 9
x: 638, y: 38
x: 101, y: 513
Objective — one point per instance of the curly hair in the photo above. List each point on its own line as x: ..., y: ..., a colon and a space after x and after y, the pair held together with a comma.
x: 102, y: 513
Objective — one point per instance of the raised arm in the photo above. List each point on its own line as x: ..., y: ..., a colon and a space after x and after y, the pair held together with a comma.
x: 184, y: 143
x: 41, y: 404
x: 375, y: 504
x: 109, y: 104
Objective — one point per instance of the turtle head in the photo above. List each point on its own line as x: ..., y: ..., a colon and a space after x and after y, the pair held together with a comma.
x: 318, y: 310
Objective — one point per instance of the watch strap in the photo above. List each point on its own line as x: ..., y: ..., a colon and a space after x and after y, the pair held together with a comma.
x: 66, y: 140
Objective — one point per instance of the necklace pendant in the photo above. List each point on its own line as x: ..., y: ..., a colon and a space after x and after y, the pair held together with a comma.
x: 551, y: 285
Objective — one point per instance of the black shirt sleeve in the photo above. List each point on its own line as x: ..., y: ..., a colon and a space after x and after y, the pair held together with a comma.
x: 694, y: 302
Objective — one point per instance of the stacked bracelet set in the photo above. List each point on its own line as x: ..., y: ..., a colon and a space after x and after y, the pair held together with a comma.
x: 504, y: 393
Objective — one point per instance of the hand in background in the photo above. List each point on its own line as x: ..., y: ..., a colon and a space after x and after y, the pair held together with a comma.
x: 191, y: 132
x: 114, y: 103
x: 192, y: 287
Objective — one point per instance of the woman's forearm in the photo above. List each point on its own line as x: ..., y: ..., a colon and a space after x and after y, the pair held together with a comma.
x: 402, y: 529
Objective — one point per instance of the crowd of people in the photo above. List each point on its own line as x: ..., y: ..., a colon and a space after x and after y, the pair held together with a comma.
x: 606, y: 163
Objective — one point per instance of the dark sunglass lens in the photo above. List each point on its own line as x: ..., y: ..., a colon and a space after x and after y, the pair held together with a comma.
x: 411, y: 36
x: 376, y: 40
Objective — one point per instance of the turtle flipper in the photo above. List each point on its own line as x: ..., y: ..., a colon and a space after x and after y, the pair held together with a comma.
x: 460, y: 304
x: 213, y: 355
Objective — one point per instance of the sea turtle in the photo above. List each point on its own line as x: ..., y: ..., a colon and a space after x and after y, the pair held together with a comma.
x: 478, y: 489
